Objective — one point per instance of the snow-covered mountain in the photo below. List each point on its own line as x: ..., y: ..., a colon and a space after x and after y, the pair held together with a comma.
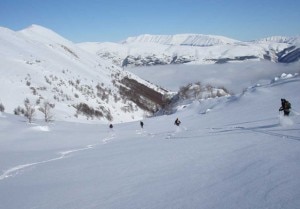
x: 86, y: 81
x: 38, y: 64
x: 147, y: 50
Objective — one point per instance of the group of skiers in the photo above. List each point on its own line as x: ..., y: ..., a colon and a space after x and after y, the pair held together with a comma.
x: 285, y: 107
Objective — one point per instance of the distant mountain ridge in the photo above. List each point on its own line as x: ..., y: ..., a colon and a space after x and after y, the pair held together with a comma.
x: 148, y: 50
x: 280, y: 39
x: 181, y: 39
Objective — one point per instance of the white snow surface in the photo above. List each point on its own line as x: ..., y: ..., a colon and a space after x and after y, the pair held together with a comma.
x: 228, y: 152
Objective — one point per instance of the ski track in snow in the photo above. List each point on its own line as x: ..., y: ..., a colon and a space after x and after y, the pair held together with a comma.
x: 111, y: 136
x: 234, y: 129
x: 260, y: 129
x: 18, y: 169
x: 274, y: 188
x: 269, y: 132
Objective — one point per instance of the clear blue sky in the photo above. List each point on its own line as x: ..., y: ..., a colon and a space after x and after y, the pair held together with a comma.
x: 115, y: 20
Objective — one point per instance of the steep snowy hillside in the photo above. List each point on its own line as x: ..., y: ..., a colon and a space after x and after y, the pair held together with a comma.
x: 38, y: 64
x: 148, y: 50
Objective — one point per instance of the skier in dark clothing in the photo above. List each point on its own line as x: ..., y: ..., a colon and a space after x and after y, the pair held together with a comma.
x: 110, y: 126
x: 142, y: 124
x: 285, y: 107
x: 177, y: 122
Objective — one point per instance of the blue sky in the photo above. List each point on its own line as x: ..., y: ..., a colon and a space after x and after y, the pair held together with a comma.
x: 115, y: 20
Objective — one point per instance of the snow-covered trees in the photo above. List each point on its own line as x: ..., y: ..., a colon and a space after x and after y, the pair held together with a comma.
x: 29, y: 110
x: 46, y: 110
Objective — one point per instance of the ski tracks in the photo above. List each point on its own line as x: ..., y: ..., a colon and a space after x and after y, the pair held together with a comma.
x: 64, y: 154
x: 234, y: 129
x: 260, y: 129
x: 270, y: 133
x: 167, y: 135
x: 18, y: 169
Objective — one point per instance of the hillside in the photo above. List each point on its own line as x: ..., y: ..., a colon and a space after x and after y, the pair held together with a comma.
x: 38, y: 64
x: 149, y: 50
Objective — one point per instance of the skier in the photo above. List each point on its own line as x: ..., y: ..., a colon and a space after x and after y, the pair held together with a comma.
x: 177, y: 122
x: 285, y: 107
x: 110, y: 126
x: 142, y: 124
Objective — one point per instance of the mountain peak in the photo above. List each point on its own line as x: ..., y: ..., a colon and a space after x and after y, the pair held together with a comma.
x: 37, y: 28
x: 42, y: 34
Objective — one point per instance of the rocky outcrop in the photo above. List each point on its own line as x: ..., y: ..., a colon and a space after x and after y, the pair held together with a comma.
x: 146, y: 98
x: 288, y: 55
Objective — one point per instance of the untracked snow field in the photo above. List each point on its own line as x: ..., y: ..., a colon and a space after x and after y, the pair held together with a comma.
x: 234, y: 152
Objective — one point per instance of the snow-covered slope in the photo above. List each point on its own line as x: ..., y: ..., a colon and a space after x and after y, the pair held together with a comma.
x: 233, y: 152
x: 38, y: 64
x: 148, y: 50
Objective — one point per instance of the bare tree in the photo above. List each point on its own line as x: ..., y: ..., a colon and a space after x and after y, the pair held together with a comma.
x: 29, y: 110
x: 46, y: 110
x: 2, y: 107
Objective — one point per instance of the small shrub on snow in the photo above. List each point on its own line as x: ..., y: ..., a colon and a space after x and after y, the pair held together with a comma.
x: 19, y: 111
